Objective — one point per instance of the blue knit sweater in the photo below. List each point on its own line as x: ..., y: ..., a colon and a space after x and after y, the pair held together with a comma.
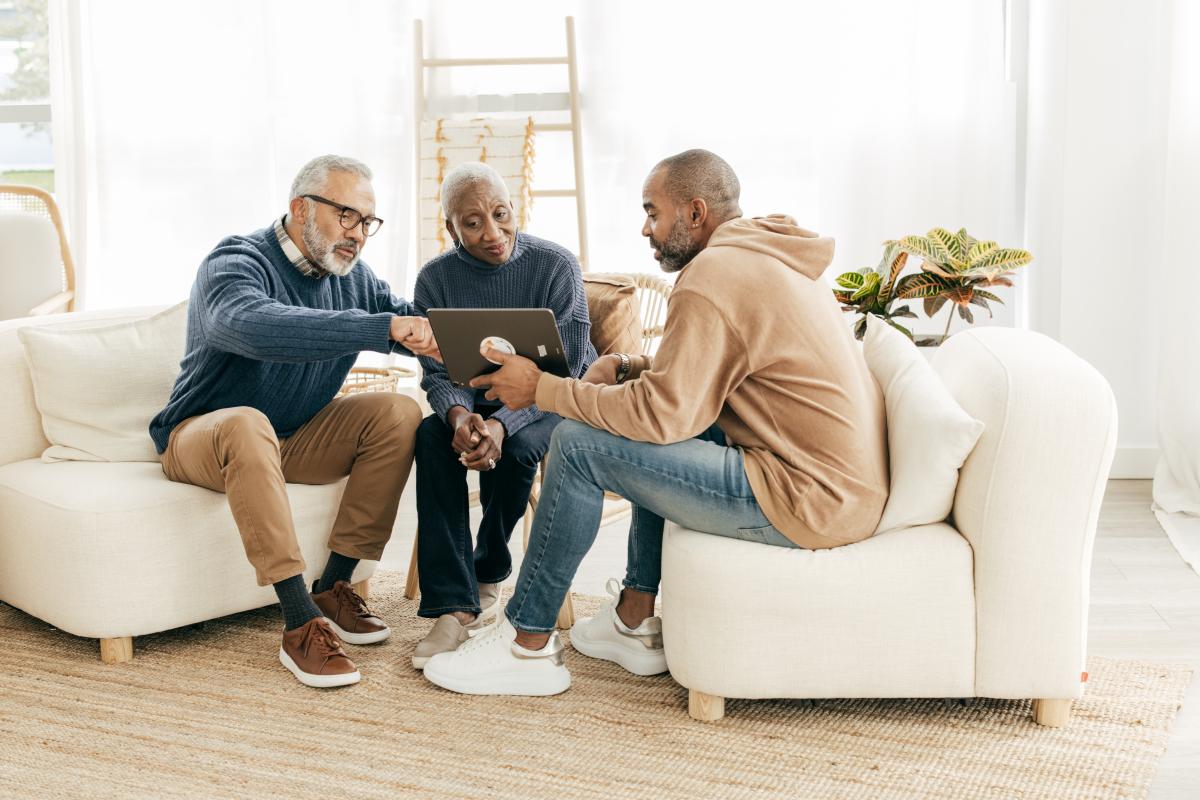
x: 261, y: 334
x: 538, y: 274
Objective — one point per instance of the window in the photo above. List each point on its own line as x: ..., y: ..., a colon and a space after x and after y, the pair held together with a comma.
x: 26, y: 150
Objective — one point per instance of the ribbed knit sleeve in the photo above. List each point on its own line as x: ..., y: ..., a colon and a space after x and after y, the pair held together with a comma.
x: 441, y: 393
x: 383, y: 301
x: 569, y: 303
x: 241, y: 317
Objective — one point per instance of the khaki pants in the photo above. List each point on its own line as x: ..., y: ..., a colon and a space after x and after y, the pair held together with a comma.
x: 368, y: 436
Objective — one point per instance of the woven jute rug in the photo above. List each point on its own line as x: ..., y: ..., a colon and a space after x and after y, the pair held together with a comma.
x: 208, y: 711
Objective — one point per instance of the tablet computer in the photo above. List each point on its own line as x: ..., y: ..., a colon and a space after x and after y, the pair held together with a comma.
x: 529, y: 332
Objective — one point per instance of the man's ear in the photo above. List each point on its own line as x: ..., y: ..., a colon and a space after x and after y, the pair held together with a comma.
x: 453, y: 233
x: 298, y: 209
x: 697, y: 212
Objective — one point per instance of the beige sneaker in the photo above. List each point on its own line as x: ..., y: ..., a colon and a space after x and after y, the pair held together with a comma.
x: 489, y: 604
x: 446, y: 635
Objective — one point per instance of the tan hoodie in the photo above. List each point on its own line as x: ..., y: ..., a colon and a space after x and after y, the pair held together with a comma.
x: 755, y: 342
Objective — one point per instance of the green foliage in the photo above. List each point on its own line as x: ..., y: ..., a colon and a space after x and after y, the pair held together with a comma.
x: 29, y: 25
x: 954, y: 268
x: 873, y: 291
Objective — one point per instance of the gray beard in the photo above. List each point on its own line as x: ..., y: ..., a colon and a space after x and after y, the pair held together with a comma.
x: 322, y: 252
x: 678, y: 250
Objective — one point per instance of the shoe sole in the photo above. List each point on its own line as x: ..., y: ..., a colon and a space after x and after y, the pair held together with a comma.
x: 504, y: 685
x: 645, y: 665
x: 318, y: 681
x: 359, y: 638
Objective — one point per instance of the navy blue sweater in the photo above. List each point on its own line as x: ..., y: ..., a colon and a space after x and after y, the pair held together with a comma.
x: 538, y: 274
x: 262, y: 334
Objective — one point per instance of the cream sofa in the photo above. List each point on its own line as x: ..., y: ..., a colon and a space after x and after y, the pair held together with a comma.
x: 992, y: 603
x: 111, y: 551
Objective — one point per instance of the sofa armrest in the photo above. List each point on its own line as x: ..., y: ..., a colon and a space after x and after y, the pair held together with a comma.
x: 1028, y: 499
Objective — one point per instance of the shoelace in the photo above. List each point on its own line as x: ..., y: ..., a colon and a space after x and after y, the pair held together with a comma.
x: 474, y: 642
x: 326, y: 641
x: 355, y: 602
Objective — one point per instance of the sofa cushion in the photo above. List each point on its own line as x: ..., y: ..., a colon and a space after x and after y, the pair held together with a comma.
x: 98, y: 388
x: 890, y: 616
x: 929, y: 435
x: 73, y: 534
x: 614, y: 313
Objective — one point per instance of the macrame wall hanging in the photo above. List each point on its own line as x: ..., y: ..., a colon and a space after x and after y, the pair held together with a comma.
x: 504, y: 145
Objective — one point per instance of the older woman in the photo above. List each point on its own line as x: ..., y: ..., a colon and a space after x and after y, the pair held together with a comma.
x: 493, y: 265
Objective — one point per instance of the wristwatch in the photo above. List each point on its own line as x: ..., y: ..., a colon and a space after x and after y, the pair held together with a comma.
x: 624, y: 367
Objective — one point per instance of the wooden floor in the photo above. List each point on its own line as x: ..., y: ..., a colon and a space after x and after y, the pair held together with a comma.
x: 1145, y: 605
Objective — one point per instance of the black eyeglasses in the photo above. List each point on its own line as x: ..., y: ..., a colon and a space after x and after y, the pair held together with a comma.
x: 349, y: 217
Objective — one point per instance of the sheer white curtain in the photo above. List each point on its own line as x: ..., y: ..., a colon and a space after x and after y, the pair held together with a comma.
x: 1177, y: 480
x: 866, y: 120
x: 189, y: 121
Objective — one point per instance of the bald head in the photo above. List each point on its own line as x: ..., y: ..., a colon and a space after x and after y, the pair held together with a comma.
x: 704, y: 175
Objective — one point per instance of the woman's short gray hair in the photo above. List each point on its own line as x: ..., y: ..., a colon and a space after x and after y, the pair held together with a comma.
x: 312, y: 176
x: 463, y: 177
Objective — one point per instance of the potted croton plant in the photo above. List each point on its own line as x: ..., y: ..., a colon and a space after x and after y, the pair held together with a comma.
x: 955, y: 268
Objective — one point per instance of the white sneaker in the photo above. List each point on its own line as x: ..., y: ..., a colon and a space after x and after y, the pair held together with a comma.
x: 639, y: 650
x: 493, y: 663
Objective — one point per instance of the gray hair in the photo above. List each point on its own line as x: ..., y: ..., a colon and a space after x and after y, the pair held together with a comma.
x: 312, y: 176
x: 700, y: 173
x: 462, y: 178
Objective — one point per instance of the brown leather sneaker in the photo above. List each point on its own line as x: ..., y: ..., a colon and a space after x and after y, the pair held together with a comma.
x: 349, y: 615
x: 315, y: 656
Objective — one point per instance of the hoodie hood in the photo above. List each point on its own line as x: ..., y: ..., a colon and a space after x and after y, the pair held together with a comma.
x: 780, y: 237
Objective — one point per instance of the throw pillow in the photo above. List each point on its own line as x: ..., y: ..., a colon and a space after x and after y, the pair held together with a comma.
x: 614, y: 312
x: 929, y: 434
x: 98, y: 388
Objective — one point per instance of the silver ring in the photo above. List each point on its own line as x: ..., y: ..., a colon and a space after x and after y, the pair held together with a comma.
x: 491, y: 463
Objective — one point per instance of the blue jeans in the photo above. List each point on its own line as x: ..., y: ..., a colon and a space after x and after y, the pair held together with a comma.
x: 700, y: 484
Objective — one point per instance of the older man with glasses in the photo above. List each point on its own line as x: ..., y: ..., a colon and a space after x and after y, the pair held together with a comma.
x: 275, y: 321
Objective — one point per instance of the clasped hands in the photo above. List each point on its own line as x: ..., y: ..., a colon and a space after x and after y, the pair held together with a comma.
x: 477, y: 441
x: 415, y: 335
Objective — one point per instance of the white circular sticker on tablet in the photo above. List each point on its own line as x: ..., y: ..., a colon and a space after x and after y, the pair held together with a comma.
x: 497, y: 343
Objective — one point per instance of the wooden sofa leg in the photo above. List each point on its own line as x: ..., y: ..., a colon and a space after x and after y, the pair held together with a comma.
x: 116, y: 651
x: 705, y: 707
x: 362, y: 588
x: 412, y: 585
x: 1052, y: 713
x: 566, y: 614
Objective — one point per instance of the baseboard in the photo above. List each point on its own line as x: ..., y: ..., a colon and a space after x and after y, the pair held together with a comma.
x: 1134, y: 462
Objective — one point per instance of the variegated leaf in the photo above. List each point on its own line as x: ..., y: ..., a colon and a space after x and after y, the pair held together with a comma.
x: 982, y: 303
x: 922, y: 284
x: 1003, y: 259
x: 934, y: 304
x: 945, y: 244
x: 979, y: 250
x: 850, y: 280
x: 900, y: 328
x: 920, y: 247
x: 870, y: 284
x: 988, y: 296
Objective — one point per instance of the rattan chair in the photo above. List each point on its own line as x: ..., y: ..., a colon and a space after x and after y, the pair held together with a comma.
x: 35, y: 259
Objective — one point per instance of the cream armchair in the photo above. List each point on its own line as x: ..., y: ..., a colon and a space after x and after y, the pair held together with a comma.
x: 991, y: 603
x: 35, y: 259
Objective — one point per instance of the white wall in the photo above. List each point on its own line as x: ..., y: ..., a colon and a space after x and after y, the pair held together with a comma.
x: 1098, y: 88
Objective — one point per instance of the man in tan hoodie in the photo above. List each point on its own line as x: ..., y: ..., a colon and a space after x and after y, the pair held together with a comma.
x: 757, y: 419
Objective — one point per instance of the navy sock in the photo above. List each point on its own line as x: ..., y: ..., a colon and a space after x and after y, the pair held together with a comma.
x: 337, y: 568
x: 295, y: 601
